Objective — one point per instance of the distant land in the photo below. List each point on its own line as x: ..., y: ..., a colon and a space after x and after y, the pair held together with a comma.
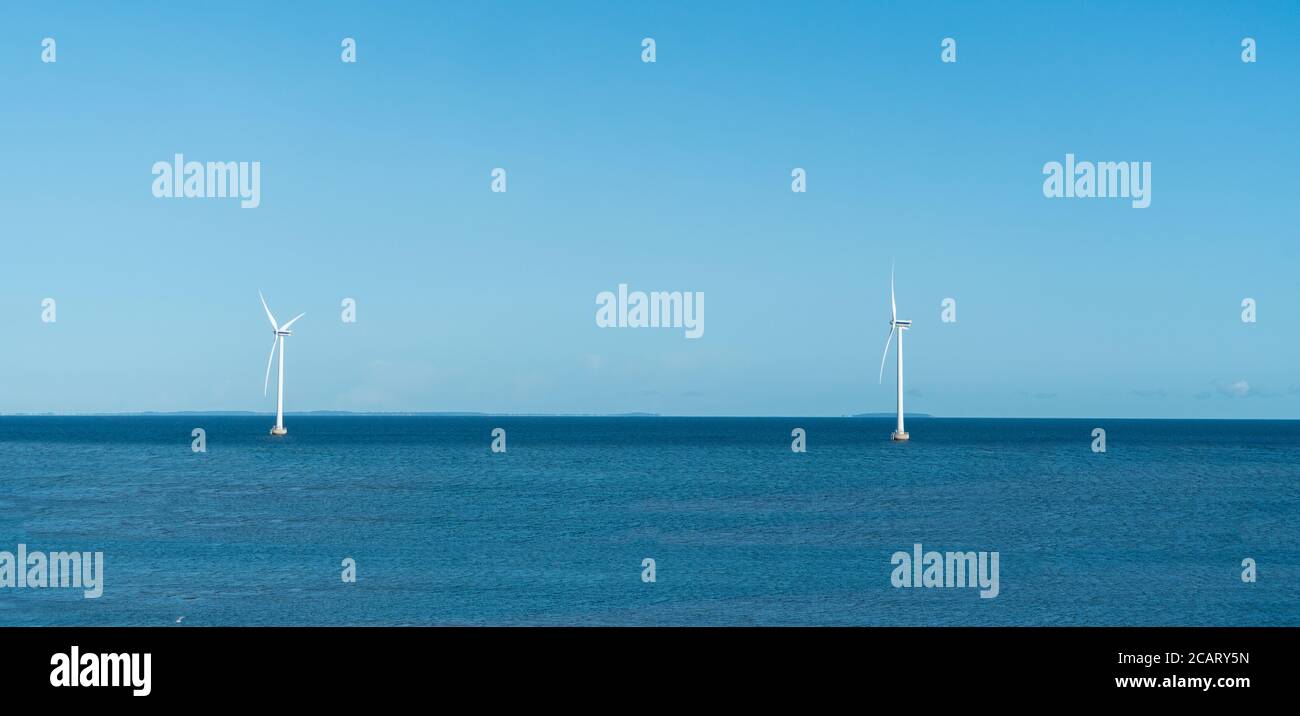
x: 442, y: 414
x: 449, y: 414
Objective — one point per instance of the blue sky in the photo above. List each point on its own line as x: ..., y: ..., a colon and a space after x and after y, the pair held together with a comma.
x: 666, y: 176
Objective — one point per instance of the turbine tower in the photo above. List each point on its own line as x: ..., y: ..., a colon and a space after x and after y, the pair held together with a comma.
x: 280, y: 333
x: 900, y: 327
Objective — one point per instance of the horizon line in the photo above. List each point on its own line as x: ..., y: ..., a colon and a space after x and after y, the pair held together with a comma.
x: 628, y: 414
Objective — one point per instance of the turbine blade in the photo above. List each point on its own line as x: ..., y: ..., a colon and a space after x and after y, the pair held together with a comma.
x: 269, y: 359
x: 893, y: 307
x: 285, y: 327
x: 268, y: 312
x: 885, y: 355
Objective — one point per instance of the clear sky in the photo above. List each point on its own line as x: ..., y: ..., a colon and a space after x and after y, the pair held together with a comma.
x: 375, y: 185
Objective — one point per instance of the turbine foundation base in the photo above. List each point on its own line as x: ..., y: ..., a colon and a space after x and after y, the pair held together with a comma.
x: 899, y: 436
x: 279, y: 431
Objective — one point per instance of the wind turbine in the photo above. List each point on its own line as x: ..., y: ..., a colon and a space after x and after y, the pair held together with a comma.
x: 900, y: 327
x: 280, y: 333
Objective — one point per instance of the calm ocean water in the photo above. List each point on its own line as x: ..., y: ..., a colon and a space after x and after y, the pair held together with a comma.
x: 743, y: 531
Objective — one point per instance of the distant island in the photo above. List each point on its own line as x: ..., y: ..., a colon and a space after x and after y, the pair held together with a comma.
x: 891, y: 415
x: 447, y: 414
x: 438, y: 414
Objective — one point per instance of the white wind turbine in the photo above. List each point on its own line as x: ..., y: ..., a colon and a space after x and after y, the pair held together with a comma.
x: 280, y: 333
x: 900, y: 326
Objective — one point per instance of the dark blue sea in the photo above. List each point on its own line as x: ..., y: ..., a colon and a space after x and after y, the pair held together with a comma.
x: 743, y: 531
